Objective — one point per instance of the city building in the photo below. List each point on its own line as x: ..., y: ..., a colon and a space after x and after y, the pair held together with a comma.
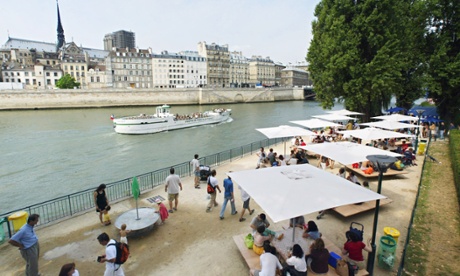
x: 119, y: 39
x: 218, y: 63
x: 261, y: 71
x: 278, y: 69
x: 95, y: 78
x: 239, y: 70
x: 291, y: 77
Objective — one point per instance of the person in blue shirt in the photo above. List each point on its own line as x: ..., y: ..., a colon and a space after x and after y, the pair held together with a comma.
x: 27, y: 241
x: 228, y: 196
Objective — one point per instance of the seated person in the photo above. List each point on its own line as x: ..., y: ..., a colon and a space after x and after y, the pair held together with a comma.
x: 259, y: 239
x: 281, y: 161
x: 302, y: 142
x: 392, y: 143
x: 318, y: 260
x: 312, y: 231
x: 353, y: 248
x: 261, y: 219
x: 342, y: 173
x: 353, y: 178
x: 272, y: 157
x: 301, y: 157
x: 404, y: 146
x: 297, y: 222
x: 410, y: 157
x: 269, y: 263
x: 323, y: 162
x: 296, y: 264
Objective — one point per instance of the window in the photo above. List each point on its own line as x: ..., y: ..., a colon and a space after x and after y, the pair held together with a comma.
x: 98, y: 79
x: 92, y: 79
x: 34, y: 82
x: 17, y: 74
x: 48, y: 81
x: 71, y: 67
x: 27, y: 81
x: 78, y: 74
x: 83, y: 68
x: 47, y: 74
x: 71, y: 73
x: 55, y: 82
x: 65, y: 67
x: 82, y: 74
x: 55, y: 74
x: 26, y: 74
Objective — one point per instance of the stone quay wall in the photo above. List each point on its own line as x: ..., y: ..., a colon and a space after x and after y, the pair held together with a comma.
x: 81, y: 98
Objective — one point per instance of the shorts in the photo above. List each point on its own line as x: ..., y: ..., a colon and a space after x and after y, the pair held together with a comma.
x: 197, y: 173
x: 172, y: 197
x: 246, y: 204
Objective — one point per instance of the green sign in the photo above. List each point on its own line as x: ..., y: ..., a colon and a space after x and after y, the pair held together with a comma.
x: 135, y: 188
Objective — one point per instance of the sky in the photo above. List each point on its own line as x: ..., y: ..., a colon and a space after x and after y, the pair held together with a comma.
x: 279, y: 29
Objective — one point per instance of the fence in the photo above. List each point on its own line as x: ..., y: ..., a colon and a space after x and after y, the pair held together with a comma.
x: 69, y: 205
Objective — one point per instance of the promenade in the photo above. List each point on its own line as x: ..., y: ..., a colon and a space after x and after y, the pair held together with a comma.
x: 195, y: 242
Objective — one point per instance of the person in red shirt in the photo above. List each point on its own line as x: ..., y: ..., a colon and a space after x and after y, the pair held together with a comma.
x: 354, y: 249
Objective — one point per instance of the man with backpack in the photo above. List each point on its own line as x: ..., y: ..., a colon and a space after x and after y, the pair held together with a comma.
x: 112, y: 263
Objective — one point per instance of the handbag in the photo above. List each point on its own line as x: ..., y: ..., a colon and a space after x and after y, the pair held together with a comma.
x: 342, y: 268
x: 249, y: 241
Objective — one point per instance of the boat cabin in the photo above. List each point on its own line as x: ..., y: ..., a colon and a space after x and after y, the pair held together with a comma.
x: 163, y: 111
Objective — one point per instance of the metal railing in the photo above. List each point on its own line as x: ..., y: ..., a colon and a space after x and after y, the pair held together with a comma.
x: 69, y: 205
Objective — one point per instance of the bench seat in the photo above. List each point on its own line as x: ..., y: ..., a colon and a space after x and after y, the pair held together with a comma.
x: 375, y: 174
x: 353, y: 209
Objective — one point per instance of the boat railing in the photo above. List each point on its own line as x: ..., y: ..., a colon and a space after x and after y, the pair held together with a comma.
x: 67, y: 206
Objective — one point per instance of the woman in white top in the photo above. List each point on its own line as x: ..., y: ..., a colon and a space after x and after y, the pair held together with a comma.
x: 296, y: 264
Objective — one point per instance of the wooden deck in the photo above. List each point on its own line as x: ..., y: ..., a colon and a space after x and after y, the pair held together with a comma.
x: 249, y: 256
x: 353, y: 209
x: 389, y: 172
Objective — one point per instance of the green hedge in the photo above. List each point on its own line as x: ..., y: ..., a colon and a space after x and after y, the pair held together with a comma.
x: 454, y: 145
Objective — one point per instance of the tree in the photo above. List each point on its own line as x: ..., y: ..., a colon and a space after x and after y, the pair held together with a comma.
x: 67, y: 82
x: 357, y: 54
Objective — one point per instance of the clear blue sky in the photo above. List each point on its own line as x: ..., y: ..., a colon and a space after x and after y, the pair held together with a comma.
x: 280, y: 29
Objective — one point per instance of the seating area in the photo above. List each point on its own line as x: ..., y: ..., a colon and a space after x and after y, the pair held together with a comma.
x: 389, y: 172
x: 353, y: 209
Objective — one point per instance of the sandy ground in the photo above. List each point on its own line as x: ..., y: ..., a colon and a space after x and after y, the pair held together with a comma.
x: 194, y: 242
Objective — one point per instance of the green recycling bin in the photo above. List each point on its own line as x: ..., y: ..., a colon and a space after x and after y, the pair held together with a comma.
x: 386, y: 253
x: 2, y: 229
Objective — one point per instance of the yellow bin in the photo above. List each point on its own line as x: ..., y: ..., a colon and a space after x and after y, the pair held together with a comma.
x: 392, y: 232
x: 421, y: 149
x: 18, y: 219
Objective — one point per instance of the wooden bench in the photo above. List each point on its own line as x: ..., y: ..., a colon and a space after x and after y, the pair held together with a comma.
x: 249, y: 256
x: 353, y: 209
x: 389, y: 172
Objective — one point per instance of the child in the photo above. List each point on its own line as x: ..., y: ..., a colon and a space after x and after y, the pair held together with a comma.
x: 106, y: 216
x: 366, y: 185
x: 123, y: 234
x: 162, y: 211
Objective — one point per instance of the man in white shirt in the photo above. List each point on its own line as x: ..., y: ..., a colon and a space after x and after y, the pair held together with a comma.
x: 111, y: 269
x: 195, y: 163
x: 268, y: 263
x: 172, y: 187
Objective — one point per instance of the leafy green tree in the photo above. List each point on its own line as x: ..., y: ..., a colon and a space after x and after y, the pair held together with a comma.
x: 443, y: 56
x: 67, y: 82
x: 357, y: 54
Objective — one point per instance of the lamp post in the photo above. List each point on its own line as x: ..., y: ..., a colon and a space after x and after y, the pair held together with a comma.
x: 419, y: 114
x: 382, y: 162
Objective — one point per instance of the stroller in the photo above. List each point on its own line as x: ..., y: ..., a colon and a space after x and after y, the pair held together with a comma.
x: 205, y: 172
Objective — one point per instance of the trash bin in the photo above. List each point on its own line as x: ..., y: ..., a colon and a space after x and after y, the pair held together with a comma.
x: 2, y: 230
x: 18, y: 219
x: 386, y: 253
x: 392, y: 232
x: 421, y: 149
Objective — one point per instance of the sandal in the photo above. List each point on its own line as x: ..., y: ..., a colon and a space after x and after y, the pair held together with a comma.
x: 251, y: 212
x: 171, y: 211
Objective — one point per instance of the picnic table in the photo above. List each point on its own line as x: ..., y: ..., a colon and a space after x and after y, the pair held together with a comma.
x: 375, y: 174
x: 353, y: 209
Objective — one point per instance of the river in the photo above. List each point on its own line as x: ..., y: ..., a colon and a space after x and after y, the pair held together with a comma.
x: 50, y: 153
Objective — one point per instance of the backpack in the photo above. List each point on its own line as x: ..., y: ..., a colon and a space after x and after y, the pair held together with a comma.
x: 210, y: 189
x: 122, y: 252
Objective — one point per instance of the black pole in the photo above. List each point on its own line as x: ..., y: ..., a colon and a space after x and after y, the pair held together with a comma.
x: 371, y: 256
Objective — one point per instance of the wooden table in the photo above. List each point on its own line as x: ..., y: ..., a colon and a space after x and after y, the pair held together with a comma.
x: 353, y: 209
x: 376, y: 174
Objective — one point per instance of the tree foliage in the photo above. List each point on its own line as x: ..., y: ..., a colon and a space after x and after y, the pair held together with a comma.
x: 359, y: 54
x: 67, y: 82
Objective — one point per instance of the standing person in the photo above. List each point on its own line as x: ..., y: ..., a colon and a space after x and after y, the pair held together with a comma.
x: 212, y: 180
x: 27, y: 241
x: 172, y: 187
x: 228, y: 196
x: 124, y: 234
x: 261, y: 155
x: 106, y: 216
x: 442, y: 129
x: 162, y: 211
x: 111, y: 269
x: 100, y: 200
x: 195, y: 163
x: 353, y: 248
x: 245, y: 198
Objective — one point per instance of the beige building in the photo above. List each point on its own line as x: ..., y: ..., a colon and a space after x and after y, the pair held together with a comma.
x: 74, y: 61
x: 261, y: 71
x: 37, y: 76
x: 96, y: 77
x: 218, y: 63
x: 278, y: 69
x: 239, y: 70
x: 291, y: 77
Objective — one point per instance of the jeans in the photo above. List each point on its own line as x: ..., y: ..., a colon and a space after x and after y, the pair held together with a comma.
x: 224, y: 205
x: 441, y: 134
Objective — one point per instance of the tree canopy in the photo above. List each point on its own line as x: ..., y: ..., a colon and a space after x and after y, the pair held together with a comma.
x: 67, y: 82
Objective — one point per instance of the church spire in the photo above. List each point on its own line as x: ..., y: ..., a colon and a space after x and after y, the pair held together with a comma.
x: 60, y: 30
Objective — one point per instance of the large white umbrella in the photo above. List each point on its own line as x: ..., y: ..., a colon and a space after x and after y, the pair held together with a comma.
x: 346, y: 152
x: 333, y: 117
x: 316, y: 123
x: 344, y: 112
x: 396, y: 117
x: 284, y: 131
x: 391, y: 125
x: 371, y: 133
x: 287, y: 192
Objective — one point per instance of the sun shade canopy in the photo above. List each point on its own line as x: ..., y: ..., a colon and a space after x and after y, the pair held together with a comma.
x: 284, y: 131
x: 334, y: 117
x: 371, y: 133
x: 396, y: 117
x: 344, y: 112
x: 391, y: 125
x: 316, y: 123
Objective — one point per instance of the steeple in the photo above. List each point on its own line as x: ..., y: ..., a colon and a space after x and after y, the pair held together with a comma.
x: 60, y: 30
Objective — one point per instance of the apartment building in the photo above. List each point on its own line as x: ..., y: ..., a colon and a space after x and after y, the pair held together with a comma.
x: 218, y: 63
x: 278, y: 69
x: 129, y: 67
x: 239, y: 70
x: 96, y: 77
x: 119, y: 39
x: 292, y: 76
x: 261, y: 71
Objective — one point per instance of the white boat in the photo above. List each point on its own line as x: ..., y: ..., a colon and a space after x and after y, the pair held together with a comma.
x: 163, y: 120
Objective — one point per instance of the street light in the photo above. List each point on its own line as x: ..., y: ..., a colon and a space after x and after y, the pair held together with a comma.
x: 383, y: 162
x: 419, y: 114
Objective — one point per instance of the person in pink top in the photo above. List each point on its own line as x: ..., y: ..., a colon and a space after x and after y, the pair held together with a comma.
x: 162, y: 210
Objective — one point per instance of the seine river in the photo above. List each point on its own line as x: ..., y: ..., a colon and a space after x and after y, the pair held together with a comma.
x: 50, y: 153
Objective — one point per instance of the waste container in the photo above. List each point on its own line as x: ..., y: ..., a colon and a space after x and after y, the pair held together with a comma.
x: 386, y: 253
x: 392, y: 232
x: 2, y: 230
x: 421, y: 149
x: 18, y: 219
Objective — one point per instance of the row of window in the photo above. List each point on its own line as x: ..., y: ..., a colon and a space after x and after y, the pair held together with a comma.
x: 76, y: 67
x: 34, y: 81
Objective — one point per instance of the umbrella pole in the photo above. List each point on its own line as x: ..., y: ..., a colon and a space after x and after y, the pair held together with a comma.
x: 137, y: 211
x: 293, y: 235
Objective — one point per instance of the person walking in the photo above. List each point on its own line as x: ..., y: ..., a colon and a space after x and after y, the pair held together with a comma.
x: 172, y: 187
x: 442, y: 129
x: 228, y: 196
x: 245, y: 198
x: 212, y: 180
x: 101, y: 201
x: 111, y: 269
x: 27, y: 241
x: 195, y: 163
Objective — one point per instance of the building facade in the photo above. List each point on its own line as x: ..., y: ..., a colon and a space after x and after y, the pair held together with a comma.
x: 291, y: 77
x: 95, y: 78
x: 261, y: 71
x: 239, y: 70
x: 218, y: 63
x: 278, y: 69
x: 129, y: 67
x: 119, y: 39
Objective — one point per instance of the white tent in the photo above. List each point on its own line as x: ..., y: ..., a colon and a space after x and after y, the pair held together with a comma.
x: 344, y: 112
x: 391, y: 125
x: 396, y: 117
x: 316, y: 123
x: 286, y: 192
x: 371, y: 133
x: 334, y: 117
x: 284, y: 131
x: 346, y: 152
